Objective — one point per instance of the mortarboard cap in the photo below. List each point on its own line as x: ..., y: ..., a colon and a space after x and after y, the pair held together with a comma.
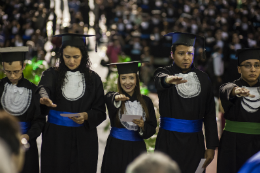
x: 69, y: 39
x: 127, y: 67
x: 10, y: 54
x: 249, y: 53
x: 186, y: 39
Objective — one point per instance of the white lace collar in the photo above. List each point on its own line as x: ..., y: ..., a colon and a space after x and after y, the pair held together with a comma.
x: 74, y: 87
x: 251, y: 105
x: 16, y: 100
x: 191, y: 88
x: 132, y: 108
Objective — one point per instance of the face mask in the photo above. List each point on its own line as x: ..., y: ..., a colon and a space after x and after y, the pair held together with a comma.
x: 121, y: 26
x: 244, y: 26
x: 170, y: 11
x: 145, y: 25
x: 155, y: 21
x: 158, y: 3
x: 211, y: 12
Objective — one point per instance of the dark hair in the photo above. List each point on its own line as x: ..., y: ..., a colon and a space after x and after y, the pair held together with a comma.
x: 138, y: 95
x: 173, y: 48
x: 9, y: 129
x: 84, y: 68
x: 10, y: 63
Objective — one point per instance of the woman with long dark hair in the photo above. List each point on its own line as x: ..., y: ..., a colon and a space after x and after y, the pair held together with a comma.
x: 69, y: 139
x: 125, y: 141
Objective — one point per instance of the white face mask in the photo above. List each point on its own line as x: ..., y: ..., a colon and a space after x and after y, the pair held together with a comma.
x: 170, y: 11
x: 168, y: 38
x: 155, y: 21
x: 244, y: 26
x: 211, y: 12
x: 145, y: 1
x: 145, y: 25
x: 158, y: 3
x: 121, y: 27
x: 119, y: 13
x: 156, y: 37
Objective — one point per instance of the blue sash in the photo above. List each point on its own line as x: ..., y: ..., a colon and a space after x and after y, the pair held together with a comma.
x: 180, y: 125
x: 25, y: 127
x: 124, y: 134
x: 54, y: 117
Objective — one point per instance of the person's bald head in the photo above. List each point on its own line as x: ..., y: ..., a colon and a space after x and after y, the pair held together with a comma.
x: 153, y: 163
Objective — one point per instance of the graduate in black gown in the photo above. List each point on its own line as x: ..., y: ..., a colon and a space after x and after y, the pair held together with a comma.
x: 70, y: 145
x: 185, y: 101
x: 125, y: 141
x: 241, y: 101
x: 18, y: 99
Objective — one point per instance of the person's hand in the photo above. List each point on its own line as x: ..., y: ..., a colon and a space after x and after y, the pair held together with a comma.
x: 47, y: 102
x: 139, y: 122
x: 81, y: 118
x: 25, y: 136
x: 209, y: 155
x: 241, y: 92
x: 174, y: 80
x: 121, y: 97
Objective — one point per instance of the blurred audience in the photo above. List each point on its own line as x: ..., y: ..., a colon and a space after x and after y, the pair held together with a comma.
x: 226, y: 25
x: 153, y: 163
x: 24, y: 23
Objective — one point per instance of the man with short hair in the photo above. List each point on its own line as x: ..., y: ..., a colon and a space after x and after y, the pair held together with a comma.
x: 153, y: 163
x: 186, y: 101
x: 241, y: 101
x: 17, y: 98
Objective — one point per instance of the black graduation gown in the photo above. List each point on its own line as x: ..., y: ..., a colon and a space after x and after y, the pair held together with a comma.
x: 186, y: 149
x: 72, y: 149
x: 32, y: 115
x: 119, y: 153
x: 236, y: 148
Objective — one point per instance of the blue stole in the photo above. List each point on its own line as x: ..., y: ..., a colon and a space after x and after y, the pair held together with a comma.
x: 125, y: 134
x: 252, y: 165
x: 54, y: 117
x: 180, y: 125
x: 24, y: 126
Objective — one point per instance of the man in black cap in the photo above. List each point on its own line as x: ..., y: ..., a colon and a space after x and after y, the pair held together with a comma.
x: 17, y: 98
x: 241, y: 102
x: 186, y: 101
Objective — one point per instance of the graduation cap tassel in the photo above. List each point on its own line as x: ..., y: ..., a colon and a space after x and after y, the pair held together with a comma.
x: 96, y: 47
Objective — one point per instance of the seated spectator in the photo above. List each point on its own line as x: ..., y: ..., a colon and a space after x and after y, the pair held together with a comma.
x: 153, y: 163
x: 10, y: 133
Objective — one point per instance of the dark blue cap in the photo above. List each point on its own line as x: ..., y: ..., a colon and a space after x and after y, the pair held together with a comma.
x: 182, y: 38
x: 248, y: 53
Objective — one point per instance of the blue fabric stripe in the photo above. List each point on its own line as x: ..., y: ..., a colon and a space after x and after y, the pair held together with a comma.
x: 124, y: 134
x: 54, y: 117
x: 180, y: 125
x: 25, y: 126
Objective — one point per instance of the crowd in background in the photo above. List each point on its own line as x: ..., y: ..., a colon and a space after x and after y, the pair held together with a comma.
x: 135, y: 28
x: 23, y: 23
x: 139, y: 26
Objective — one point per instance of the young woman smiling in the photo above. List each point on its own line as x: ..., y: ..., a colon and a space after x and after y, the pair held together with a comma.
x: 70, y: 145
x: 125, y: 141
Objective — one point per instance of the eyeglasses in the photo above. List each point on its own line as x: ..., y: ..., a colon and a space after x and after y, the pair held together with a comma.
x: 249, y: 66
x: 16, y: 72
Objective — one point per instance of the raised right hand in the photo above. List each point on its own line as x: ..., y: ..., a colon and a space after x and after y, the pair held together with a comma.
x: 47, y: 102
x: 242, y: 92
x: 121, y: 97
x: 174, y: 80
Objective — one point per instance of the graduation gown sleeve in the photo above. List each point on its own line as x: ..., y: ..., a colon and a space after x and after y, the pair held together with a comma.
x: 210, y: 122
x: 96, y: 114
x: 159, y: 77
x: 224, y: 93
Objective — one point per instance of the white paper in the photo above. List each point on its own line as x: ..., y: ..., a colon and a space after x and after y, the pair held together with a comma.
x: 130, y: 118
x: 69, y: 115
x: 200, y: 169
